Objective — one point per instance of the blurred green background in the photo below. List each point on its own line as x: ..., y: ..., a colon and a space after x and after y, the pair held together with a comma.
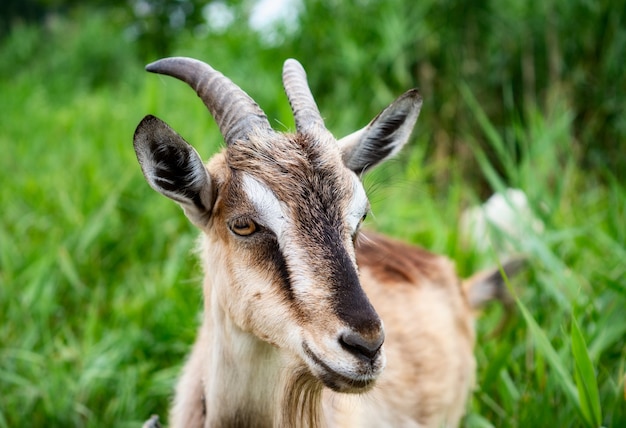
x: 99, y: 290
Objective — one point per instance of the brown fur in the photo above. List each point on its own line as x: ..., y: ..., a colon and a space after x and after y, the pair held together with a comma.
x: 392, y: 261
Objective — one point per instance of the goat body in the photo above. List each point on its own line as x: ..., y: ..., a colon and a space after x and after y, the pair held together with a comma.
x: 295, y: 296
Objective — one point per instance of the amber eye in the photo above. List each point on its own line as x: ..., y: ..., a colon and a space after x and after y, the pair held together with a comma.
x: 243, y: 227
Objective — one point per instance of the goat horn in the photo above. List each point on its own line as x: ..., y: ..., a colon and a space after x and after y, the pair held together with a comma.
x: 234, y: 111
x: 303, y: 105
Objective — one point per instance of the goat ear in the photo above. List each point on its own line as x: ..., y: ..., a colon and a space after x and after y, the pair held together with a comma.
x: 384, y: 136
x: 174, y: 168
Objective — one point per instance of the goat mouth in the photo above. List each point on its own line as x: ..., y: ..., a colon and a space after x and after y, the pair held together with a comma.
x: 339, y: 382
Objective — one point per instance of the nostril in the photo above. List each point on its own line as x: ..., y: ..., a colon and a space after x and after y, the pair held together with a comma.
x: 362, y: 346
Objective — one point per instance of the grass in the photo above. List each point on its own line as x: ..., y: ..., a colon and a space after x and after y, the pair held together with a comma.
x: 99, y: 292
x: 91, y: 322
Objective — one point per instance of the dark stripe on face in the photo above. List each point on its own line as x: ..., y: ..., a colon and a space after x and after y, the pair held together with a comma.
x: 272, y: 257
x: 349, y: 300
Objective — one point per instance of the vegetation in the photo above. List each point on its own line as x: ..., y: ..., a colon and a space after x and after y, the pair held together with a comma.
x: 99, y: 290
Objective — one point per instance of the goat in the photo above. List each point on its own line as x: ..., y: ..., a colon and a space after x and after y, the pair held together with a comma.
x: 294, y: 294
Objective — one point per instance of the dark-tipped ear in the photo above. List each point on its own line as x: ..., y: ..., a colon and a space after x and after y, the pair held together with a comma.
x: 384, y: 136
x: 174, y: 168
x: 489, y: 285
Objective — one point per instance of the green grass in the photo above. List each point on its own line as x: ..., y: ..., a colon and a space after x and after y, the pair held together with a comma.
x: 100, y: 295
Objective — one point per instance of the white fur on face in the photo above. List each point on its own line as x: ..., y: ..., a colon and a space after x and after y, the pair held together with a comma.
x: 273, y: 214
x: 358, y: 206
x: 271, y: 211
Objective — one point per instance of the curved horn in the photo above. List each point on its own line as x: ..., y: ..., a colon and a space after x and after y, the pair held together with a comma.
x: 234, y: 111
x: 303, y: 105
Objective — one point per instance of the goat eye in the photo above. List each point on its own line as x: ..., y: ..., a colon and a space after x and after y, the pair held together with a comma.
x: 361, y: 221
x: 243, y: 227
x: 358, y: 228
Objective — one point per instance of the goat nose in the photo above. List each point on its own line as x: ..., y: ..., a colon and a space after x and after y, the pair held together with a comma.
x: 360, y: 346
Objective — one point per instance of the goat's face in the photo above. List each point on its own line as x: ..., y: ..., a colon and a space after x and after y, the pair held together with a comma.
x: 285, y: 218
x: 280, y: 214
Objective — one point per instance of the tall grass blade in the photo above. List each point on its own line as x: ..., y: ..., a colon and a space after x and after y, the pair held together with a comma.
x: 474, y: 420
x: 585, y: 379
x: 492, y: 136
x: 491, y: 133
x: 613, y: 331
x: 545, y: 347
